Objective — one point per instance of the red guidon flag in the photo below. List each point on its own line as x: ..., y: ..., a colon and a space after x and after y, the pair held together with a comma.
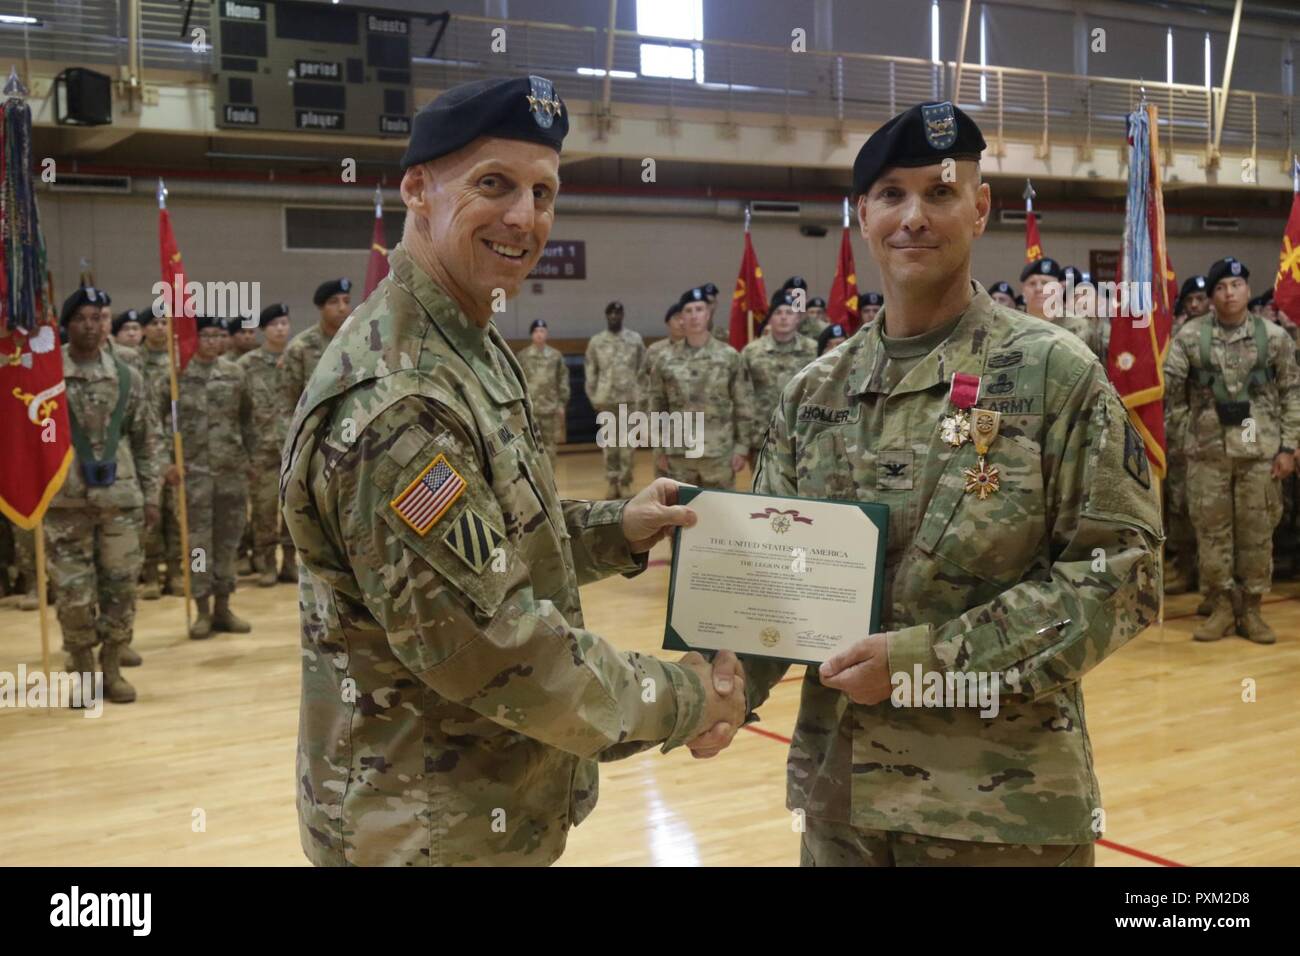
x: 1139, y: 336
x: 1033, y: 244
x: 842, y: 306
x: 184, y: 329
x: 377, y: 268
x: 33, y: 423
x: 1286, y: 288
x: 749, y: 301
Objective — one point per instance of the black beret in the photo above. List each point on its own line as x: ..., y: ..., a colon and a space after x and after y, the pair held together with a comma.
x: 794, y: 282
x: 1223, y: 269
x: 1267, y: 297
x: 615, y: 306
x: 149, y: 316
x: 202, y: 322
x: 816, y: 302
x: 779, y: 298
x: 1020, y: 301
x: 105, y: 298
x: 119, y: 320
x: 84, y: 295
x: 1193, y: 284
x: 924, y: 135
x: 524, y: 107
x: 271, y: 313
x: 674, y: 309
x: 1073, y: 275
x: 824, y: 337
x: 1004, y: 288
x: 710, y: 289
x: 1046, y: 267
x: 693, y: 295
x: 327, y: 289
x: 871, y: 298
x: 537, y: 324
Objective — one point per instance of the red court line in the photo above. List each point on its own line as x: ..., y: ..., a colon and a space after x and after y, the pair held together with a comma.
x: 1109, y: 844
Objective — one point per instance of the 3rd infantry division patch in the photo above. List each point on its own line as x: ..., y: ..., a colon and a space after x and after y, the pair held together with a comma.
x: 473, y: 539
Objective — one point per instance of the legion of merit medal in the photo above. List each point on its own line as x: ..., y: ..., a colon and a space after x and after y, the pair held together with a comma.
x: 964, y: 392
x: 983, y: 479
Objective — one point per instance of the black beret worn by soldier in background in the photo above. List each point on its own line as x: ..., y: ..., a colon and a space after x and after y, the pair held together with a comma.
x: 924, y: 135
x: 871, y: 298
x: 694, y: 295
x: 1044, y: 266
x: 330, y: 288
x: 830, y: 332
x: 1227, y: 267
x: 536, y: 324
x: 83, y: 295
x: 1004, y: 288
x: 271, y: 313
x: 674, y: 309
x: 119, y: 320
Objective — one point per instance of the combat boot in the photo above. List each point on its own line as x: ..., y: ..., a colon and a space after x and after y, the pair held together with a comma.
x: 81, y: 660
x: 202, y: 626
x: 130, y: 657
x: 266, y: 569
x: 1206, y: 606
x: 1221, y: 621
x: 149, y: 590
x: 224, y: 619
x: 1177, y: 580
x: 116, y: 687
x: 244, y: 566
x: 175, y: 579
x: 289, y: 567
x: 1253, y: 626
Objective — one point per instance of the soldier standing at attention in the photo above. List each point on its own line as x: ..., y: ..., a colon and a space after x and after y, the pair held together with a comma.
x: 813, y: 319
x: 831, y: 336
x: 453, y: 704
x: 548, y: 387
x: 334, y: 300
x: 162, y: 542
x: 127, y: 329
x: 1002, y: 294
x: 656, y: 352
x: 1233, y: 393
x: 996, y: 522
x: 870, y: 305
x: 1180, y: 537
x: 705, y: 381
x: 271, y: 414
x: 770, y: 362
x: 243, y: 336
x: 613, y: 359
x: 719, y: 328
x: 216, y: 422
x: 1042, y: 285
x: 94, y: 523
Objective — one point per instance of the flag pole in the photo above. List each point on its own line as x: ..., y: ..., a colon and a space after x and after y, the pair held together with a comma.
x: 749, y: 313
x: 846, y: 212
x: 1029, y: 195
x: 178, y: 444
x: 41, y: 588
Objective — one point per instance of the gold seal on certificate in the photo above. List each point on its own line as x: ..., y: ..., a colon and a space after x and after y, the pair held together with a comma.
x: 796, y: 579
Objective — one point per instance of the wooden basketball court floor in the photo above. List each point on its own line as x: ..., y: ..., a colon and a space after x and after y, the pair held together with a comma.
x: 199, y: 771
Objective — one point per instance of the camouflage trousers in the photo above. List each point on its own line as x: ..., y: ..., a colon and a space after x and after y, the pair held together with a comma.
x: 704, y: 472
x: 264, y: 502
x: 24, y: 555
x: 94, y: 558
x: 162, y: 543
x: 618, y: 468
x: 1235, y: 506
x: 1180, y: 542
x: 838, y: 844
x: 553, y: 429
x: 218, y: 508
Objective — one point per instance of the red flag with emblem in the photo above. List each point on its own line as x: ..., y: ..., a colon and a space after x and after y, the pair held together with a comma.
x: 1139, y: 336
x: 1286, y: 288
x: 377, y: 268
x: 184, y: 328
x: 842, y: 305
x: 749, y: 300
x: 1033, y: 244
x: 33, y: 423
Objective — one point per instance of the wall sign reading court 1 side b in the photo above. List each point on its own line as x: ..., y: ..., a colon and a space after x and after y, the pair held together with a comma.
x: 286, y: 65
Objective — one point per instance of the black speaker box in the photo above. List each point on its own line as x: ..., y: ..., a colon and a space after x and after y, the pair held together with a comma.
x: 83, y: 98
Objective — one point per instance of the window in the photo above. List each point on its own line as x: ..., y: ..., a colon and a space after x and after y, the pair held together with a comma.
x: 679, y: 20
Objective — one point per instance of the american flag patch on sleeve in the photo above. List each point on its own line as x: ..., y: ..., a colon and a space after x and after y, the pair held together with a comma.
x: 428, y: 497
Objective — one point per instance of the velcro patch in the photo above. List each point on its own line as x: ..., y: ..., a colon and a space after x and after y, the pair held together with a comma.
x: 473, y: 539
x: 428, y: 497
x: 1135, y: 455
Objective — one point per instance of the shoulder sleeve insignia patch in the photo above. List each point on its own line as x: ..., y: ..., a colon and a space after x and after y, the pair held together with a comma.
x: 428, y: 497
x: 1135, y: 455
x: 473, y: 539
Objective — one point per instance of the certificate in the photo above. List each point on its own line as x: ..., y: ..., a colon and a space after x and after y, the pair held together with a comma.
x: 794, y: 579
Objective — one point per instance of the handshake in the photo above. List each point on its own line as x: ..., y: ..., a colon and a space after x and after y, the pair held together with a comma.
x: 724, y: 702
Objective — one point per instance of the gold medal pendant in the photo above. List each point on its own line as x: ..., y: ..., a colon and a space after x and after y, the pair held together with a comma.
x: 982, y: 479
x: 955, y: 428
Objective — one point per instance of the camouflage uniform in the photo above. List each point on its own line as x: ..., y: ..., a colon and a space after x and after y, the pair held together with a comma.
x: 162, y: 542
x: 271, y: 412
x: 452, y: 703
x: 548, y: 388
x: 838, y: 844
x: 301, y: 356
x: 711, y: 380
x: 770, y: 365
x: 810, y: 327
x: 93, y: 533
x: 1180, y: 543
x: 1005, y: 585
x: 24, y: 556
x: 1235, y: 504
x: 654, y: 352
x: 612, y: 362
x: 216, y: 423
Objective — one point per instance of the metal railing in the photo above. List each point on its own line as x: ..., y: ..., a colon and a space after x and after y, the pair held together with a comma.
x: 859, y: 89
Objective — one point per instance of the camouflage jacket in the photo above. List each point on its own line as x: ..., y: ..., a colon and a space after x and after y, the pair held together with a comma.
x: 1190, y: 406
x: 452, y: 700
x: 810, y: 327
x: 263, y: 378
x: 611, y: 367
x: 299, y: 360
x: 548, y: 379
x: 215, y: 417
x: 653, y: 353
x: 1008, y: 585
x: 710, y: 380
x: 770, y: 365
x: 92, y: 395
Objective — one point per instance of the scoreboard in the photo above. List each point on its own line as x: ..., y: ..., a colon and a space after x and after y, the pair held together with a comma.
x: 311, y: 67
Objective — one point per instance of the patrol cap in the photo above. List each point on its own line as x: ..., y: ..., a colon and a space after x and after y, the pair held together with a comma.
x: 1004, y: 288
x: 674, y: 309
x: 271, y: 313
x: 794, y: 282
x: 329, y: 288
x: 84, y: 295
x: 615, y: 306
x: 871, y: 298
x: 522, y: 107
x: 1043, y: 267
x: 816, y: 302
x: 924, y: 135
x: 1227, y: 267
x: 693, y: 295
x: 835, y: 331
x: 130, y: 315
x: 537, y: 324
